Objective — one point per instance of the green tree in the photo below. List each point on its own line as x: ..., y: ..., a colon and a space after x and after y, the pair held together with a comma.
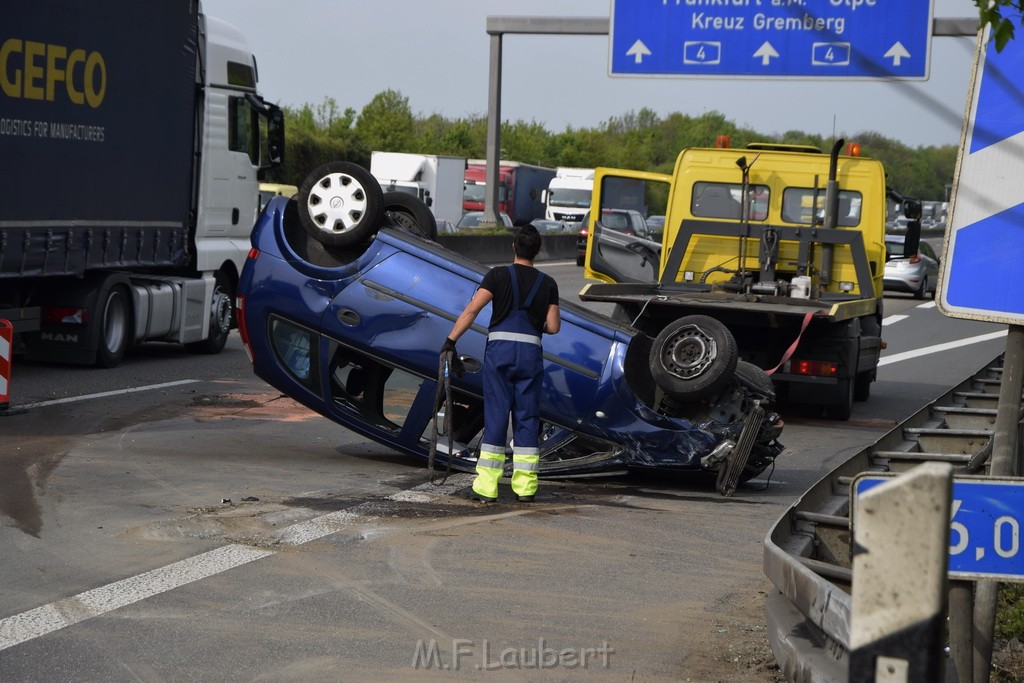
x: 386, y: 123
x: 1001, y: 15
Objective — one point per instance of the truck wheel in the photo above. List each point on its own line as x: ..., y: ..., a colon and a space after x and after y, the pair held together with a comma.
x: 221, y: 316
x: 693, y: 357
x: 402, y: 210
x: 340, y: 204
x: 115, y: 327
x: 862, y: 386
x: 843, y: 409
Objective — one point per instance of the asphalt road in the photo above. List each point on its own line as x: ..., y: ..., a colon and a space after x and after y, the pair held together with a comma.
x: 335, y: 558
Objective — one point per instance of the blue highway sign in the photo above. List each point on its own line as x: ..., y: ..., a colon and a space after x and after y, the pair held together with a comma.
x: 982, y: 264
x: 985, y: 529
x: 866, y: 39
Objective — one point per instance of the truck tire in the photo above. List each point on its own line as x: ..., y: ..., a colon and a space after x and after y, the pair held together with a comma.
x: 404, y: 211
x: 115, y: 327
x: 862, y: 385
x: 693, y: 357
x: 340, y: 204
x: 222, y: 316
x: 843, y: 409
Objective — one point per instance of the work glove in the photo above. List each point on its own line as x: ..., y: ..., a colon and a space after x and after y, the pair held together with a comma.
x: 454, y: 364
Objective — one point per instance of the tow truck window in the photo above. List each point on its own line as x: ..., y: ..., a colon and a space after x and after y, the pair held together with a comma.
x: 802, y: 205
x: 724, y: 200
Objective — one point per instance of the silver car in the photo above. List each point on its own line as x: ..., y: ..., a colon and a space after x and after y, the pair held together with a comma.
x: 915, y: 274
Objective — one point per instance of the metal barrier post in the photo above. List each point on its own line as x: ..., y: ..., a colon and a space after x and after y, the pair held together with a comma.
x: 901, y: 553
x: 1004, y: 463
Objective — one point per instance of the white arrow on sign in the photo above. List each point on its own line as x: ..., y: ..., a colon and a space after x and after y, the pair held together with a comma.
x: 766, y: 52
x: 897, y: 53
x: 638, y: 51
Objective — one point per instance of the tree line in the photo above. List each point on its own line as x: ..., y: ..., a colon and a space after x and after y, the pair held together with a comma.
x: 642, y: 140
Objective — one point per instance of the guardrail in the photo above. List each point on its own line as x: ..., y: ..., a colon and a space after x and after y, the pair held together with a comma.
x: 807, y: 554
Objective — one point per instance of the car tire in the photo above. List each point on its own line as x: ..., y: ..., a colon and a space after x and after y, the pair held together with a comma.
x: 581, y: 260
x: 922, y: 291
x: 755, y: 378
x: 408, y: 213
x: 222, y: 316
x: 693, y: 357
x: 340, y: 204
x: 115, y: 327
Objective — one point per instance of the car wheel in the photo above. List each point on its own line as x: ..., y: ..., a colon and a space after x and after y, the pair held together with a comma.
x: 693, y: 357
x: 755, y: 379
x: 115, y: 327
x: 340, y: 204
x: 404, y: 211
x: 922, y: 291
x: 221, y: 316
x: 581, y: 260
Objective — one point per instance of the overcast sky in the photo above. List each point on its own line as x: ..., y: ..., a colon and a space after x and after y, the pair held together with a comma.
x: 435, y: 52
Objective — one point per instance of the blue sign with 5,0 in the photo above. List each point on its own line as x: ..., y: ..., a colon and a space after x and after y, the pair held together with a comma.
x: 868, y: 39
x: 985, y: 529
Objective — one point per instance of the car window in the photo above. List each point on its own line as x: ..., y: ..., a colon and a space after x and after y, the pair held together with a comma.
x: 927, y: 250
x: 802, y: 204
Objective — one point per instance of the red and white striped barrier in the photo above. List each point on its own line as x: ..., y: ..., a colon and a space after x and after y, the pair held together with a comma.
x: 6, y: 350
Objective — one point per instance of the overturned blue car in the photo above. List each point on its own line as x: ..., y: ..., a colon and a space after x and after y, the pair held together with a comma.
x: 345, y: 299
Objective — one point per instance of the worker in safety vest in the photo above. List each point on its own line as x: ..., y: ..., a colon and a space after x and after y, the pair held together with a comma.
x: 524, y: 307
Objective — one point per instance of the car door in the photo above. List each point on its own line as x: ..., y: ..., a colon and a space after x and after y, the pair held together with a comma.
x: 613, y: 255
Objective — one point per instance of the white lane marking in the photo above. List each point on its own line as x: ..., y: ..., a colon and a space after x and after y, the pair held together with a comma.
x: 928, y: 304
x: 889, y: 320
x: 907, y: 355
x: 57, y: 615
x: 105, y: 394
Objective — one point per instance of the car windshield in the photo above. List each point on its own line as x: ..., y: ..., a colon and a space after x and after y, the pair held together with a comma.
x: 801, y: 205
x: 472, y: 192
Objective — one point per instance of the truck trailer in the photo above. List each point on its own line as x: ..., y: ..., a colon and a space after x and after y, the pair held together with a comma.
x: 132, y: 136
x: 434, y: 180
x: 521, y: 189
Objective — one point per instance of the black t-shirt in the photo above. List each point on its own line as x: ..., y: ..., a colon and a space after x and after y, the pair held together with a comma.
x: 498, y: 282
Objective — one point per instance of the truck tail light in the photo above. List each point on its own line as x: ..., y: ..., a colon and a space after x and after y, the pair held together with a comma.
x: 916, y: 258
x: 65, y: 315
x: 813, y: 368
x: 243, y: 327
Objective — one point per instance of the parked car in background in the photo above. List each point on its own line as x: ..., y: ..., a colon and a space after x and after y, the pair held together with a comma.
x: 627, y: 222
x: 472, y: 220
x: 656, y: 224
x: 917, y: 274
x: 351, y: 329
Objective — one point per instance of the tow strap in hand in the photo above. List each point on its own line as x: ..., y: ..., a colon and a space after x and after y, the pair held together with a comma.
x: 442, y: 401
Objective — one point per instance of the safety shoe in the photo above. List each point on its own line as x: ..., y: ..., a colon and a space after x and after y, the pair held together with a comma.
x: 482, y: 499
x: 524, y: 499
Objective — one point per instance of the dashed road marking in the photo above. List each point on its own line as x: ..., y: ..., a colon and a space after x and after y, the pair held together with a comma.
x: 105, y: 394
x: 41, y: 621
x: 916, y: 353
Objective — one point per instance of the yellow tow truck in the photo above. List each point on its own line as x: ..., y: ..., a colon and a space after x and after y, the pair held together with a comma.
x: 783, y: 244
